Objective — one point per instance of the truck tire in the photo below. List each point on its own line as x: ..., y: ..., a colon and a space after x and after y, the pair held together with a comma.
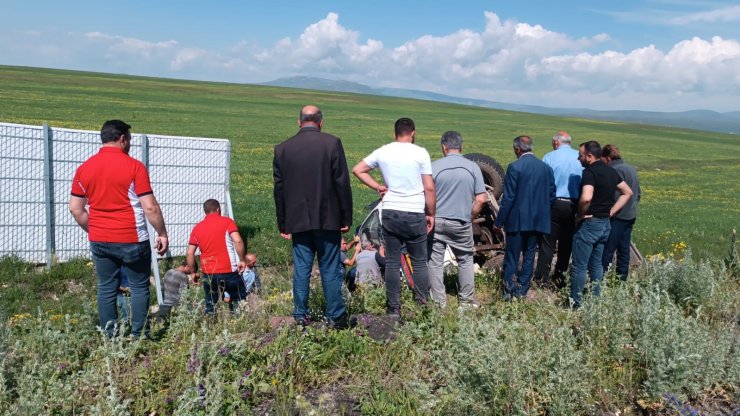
x: 493, y: 173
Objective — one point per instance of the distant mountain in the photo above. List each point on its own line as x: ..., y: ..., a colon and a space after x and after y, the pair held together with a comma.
x: 696, y: 119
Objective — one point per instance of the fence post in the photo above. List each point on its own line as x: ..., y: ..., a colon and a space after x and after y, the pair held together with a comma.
x: 150, y: 229
x: 49, y: 195
x: 227, y: 181
x: 145, y: 150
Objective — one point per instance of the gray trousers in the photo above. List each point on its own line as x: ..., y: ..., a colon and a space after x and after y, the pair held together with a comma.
x: 458, y: 236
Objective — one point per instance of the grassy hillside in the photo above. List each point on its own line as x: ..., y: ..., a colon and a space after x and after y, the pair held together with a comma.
x: 688, y: 177
x: 666, y: 342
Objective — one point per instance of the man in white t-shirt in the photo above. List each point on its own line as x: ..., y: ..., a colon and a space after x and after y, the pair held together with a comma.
x: 408, y: 208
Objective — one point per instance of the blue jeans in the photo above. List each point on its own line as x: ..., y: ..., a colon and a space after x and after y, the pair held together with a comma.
x: 323, y: 244
x: 523, y: 243
x: 619, y: 240
x: 124, y: 305
x: 588, y: 249
x: 214, y: 286
x: 401, y: 227
x: 135, y: 260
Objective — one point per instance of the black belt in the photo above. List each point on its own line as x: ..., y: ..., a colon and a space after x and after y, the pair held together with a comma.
x: 572, y: 201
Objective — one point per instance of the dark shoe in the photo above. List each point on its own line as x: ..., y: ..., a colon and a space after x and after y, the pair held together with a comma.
x: 343, y: 323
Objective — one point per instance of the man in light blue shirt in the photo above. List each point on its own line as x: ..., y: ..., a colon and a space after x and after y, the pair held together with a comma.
x: 567, y: 169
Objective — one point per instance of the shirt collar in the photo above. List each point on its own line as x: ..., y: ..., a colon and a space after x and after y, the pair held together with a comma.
x: 110, y: 149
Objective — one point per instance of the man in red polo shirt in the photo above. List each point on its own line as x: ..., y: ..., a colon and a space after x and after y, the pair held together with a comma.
x: 221, y: 256
x: 117, y: 189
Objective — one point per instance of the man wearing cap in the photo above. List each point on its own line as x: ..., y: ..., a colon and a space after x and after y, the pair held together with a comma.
x: 117, y: 189
x: 567, y: 170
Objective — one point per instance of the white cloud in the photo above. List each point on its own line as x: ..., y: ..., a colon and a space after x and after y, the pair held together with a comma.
x: 506, y: 61
x: 723, y: 14
x: 131, y: 46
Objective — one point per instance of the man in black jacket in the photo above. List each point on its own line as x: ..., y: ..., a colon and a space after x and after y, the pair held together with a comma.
x: 313, y: 203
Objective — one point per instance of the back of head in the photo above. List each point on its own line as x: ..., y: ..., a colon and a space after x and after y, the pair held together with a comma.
x: 404, y: 126
x: 592, y: 147
x: 310, y: 115
x: 112, y: 130
x: 452, y: 140
x: 523, y: 144
x: 562, y: 137
x: 211, y: 206
x: 611, y: 151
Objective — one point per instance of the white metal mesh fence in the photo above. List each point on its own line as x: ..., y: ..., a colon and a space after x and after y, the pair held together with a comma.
x: 36, y: 175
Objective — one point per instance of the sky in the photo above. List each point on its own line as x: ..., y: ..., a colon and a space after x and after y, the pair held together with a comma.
x: 655, y: 55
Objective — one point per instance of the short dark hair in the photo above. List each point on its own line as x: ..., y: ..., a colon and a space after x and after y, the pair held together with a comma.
x: 311, y: 117
x: 611, y: 151
x: 592, y: 147
x: 211, y: 205
x: 112, y: 130
x: 523, y: 143
x: 404, y: 126
x: 452, y: 140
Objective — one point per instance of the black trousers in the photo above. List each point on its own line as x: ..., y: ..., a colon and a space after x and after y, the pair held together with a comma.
x: 561, y: 236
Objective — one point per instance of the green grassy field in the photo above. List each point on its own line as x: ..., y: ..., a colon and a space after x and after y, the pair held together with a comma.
x: 689, y: 178
x: 666, y: 342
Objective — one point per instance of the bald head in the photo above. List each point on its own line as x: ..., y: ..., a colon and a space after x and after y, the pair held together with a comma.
x: 310, y: 116
x: 251, y: 259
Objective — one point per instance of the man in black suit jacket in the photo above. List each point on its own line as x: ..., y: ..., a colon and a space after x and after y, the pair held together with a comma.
x: 529, y: 191
x: 313, y: 204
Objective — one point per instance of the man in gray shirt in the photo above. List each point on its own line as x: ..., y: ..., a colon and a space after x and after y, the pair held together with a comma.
x: 368, y: 269
x: 461, y: 194
x: 620, y: 236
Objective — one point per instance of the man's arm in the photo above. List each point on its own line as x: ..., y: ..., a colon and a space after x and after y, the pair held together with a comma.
x: 587, y: 194
x: 362, y: 171
x: 241, y: 252
x: 351, y: 261
x: 153, y: 213
x: 507, y: 199
x: 342, y: 186
x: 190, y: 258
x: 626, y: 192
x: 77, y: 208
x: 430, y: 200
x: 278, y: 195
x: 480, y: 200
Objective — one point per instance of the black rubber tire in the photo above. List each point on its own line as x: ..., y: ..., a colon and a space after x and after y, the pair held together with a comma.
x: 493, y: 173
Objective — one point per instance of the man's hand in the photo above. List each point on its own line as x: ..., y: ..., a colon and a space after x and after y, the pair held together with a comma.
x: 194, y: 277
x: 241, y: 266
x: 161, y: 244
x: 382, y: 189
x: 430, y: 223
x: 285, y: 236
x: 344, y: 229
x: 497, y: 228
